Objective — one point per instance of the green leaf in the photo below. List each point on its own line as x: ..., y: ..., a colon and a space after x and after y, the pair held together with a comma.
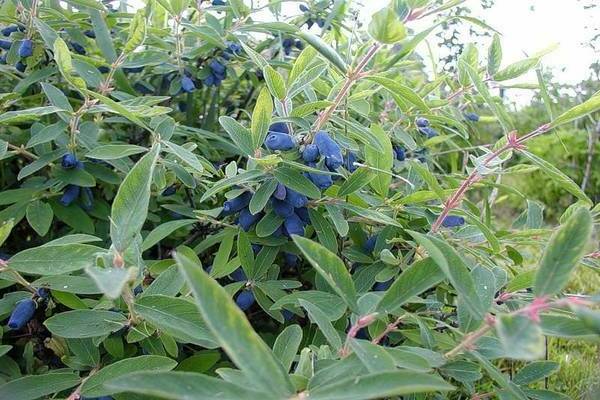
x: 54, y: 260
x: 516, y: 69
x: 275, y: 82
x: 234, y: 333
x: 331, y: 268
x: 137, y: 32
x: 400, y: 91
x: 325, y: 50
x: 470, y: 57
x: 386, y: 27
x: 380, y: 385
x: 463, y: 371
x: 456, y: 271
x: 223, y: 184
x: 95, y: 386
x: 413, y: 281
x: 130, y: 206
x: 5, y: 229
x: 164, y: 230
x: 240, y: 135
x: 110, y: 281
x: 27, y: 114
x: 296, y: 181
x: 261, y: 117
x: 535, y: 371
x: 563, y: 252
x: 79, y: 324
x: 245, y: 253
x: 494, y: 55
x: 521, y: 337
x: 177, y: 317
x: 62, y: 56
x: 39, y: 216
x: 184, y: 385
x: 37, y: 386
x: 382, y: 160
x: 287, y: 344
x: 373, y: 356
x: 186, y: 156
x: 261, y: 196
x: 589, y: 106
x: 115, y: 151
x: 325, y: 327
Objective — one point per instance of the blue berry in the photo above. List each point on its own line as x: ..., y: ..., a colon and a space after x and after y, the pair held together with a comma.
x: 299, y: 45
x: 137, y: 290
x: 103, y: 69
x: 22, y: 314
x: 69, y: 161
x: 279, y: 127
x: 218, y: 3
x: 77, y: 48
x: 245, y: 300
x: 21, y: 66
x: 303, y: 8
x: 142, y: 88
x: 233, y: 48
x: 234, y: 205
x: 382, y: 286
x: 471, y: 116
x: 287, y: 42
x: 322, y: 181
x: 320, y: 22
x: 187, y: 84
x: 282, y: 208
x: 90, y: 33
x: 399, y: 153
x: 422, y: 122
x: 290, y: 259
x: 369, y: 245
x: 42, y: 293
x: 428, y: 131
x: 9, y: 30
x: 279, y: 141
x: 310, y: 153
x: 349, y: 162
x: 169, y: 191
x: 309, y: 23
x: 247, y: 219
x: 256, y: 248
x: 217, y: 68
x: 329, y: 149
x: 238, y: 275
x: 296, y: 199
x: 452, y: 221
x: 3, y: 59
x: 5, y: 44
x: 302, y: 212
x: 280, y: 192
x: 133, y: 70
x: 293, y: 225
x: 70, y: 195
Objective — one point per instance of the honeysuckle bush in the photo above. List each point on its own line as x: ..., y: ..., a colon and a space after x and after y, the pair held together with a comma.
x: 200, y: 204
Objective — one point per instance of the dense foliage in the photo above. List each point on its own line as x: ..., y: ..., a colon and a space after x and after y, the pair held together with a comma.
x: 198, y: 205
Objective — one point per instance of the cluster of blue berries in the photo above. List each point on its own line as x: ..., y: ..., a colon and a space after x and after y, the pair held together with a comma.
x: 289, y: 43
x: 217, y: 70
x: 72, y: 192
x: 24, y: 50
x: 312, y: 17
x: 424, y: 127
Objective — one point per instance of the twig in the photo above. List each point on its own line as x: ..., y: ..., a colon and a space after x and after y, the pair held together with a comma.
x: 389, y: 328
x: 362, y: 322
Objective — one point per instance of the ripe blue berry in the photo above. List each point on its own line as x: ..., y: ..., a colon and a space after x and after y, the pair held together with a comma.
x: 22, y: 314
x: 3, y: 59
x: 90, y: 33
x: 137, y: 290
x: 399, y: 153
x: 9, y: 30
x: 218, y: 3
x: 296, y: 199
x: 21, y: 66
x: 452, y: 221
x: 471, y: 116
x: 329, y: 149
x: 382, y: 286
x: 245, y: 299
x: 310, y: 153
x: 238, y: 275
x: 422, y: 122
x: 169, y: 191
x: 303, y: 8
x: 299, y: 45
x: 320, y: 22
x: 322, y: 181
x: 233, y: 48
x: 280, y: 127
x: 5, y: 44
x: 42, y: 293
x: 70, y: 195
x: 187, y: 84
x: 103, y: 69
x: 302, y: 212
x: 287, y: 42
x: 293, y: 225
x: 256, y: 248
x: 369, y: 245
x: 290, y: 259
x: 428, y: 131
x: 280, y: 192
x: 216, y: 67
x: 349, y: 162
x: 77, y: 48
x: 279, y: 141
x: 282, y: 208
x: 69, y: 161
x: 309, y: 23
x: 234, y: 205
x: 133, y: 70
x: 247, y: 219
